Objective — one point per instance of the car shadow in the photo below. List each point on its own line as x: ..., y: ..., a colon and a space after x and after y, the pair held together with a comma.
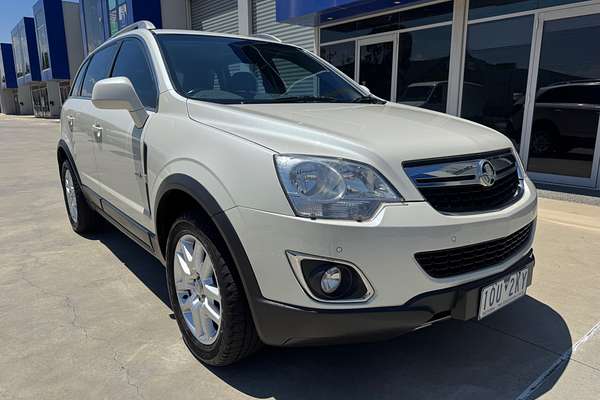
x: 497, y: 358
x: 142, y: 264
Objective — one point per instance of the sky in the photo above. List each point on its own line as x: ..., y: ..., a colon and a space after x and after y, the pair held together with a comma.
x: 11, y: 12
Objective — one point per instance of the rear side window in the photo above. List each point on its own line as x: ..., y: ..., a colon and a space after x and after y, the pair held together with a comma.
x: 98, y: 69
x: 79, y: 80
x: 132, y: 63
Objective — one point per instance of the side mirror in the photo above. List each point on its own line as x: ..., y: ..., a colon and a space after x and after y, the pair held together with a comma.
x: 366, y: 90
x: 118, y: 94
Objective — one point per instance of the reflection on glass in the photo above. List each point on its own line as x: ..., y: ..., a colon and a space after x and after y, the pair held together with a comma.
x: 565, y: 118
x: 490, y: 8
x: 495, y: 79
x: 376, y: 68
x: 93, y: 21
x: 423, y: 62
x: 341, y: 56
x: 420, y: 16
x: 42, y: 40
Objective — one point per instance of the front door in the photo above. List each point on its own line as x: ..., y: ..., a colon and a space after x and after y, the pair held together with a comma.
x: 120, y: 145
x: 562, y: 132
x: 377, y: 65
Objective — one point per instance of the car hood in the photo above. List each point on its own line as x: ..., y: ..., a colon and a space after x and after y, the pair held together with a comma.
x: 384, y: 135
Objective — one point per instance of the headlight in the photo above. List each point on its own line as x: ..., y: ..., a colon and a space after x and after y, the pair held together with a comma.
x: 319, y: 187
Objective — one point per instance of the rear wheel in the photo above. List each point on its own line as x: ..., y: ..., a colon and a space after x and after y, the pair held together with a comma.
x: 81, y: 216
x: 208, y: 302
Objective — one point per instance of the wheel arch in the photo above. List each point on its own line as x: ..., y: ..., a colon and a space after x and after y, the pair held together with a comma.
x: 64, y: 153
x: 176, y: 194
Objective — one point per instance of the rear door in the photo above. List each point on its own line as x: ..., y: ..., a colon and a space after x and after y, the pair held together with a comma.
x: 82, y: 145
x: 120, y: 160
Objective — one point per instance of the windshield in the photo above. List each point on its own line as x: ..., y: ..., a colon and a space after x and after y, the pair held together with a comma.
x: 237, y: 71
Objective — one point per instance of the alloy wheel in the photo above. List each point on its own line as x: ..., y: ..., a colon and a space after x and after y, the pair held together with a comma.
x: 197, y: 289
x: 71, y: 196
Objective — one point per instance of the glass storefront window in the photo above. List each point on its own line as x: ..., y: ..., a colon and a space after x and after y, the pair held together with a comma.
x: 495, y: 78
x: 431, y: 14
x: 423, y: 64
x: 18, y: 55
x: 2, y: 74
x: 94, y: 23
x: 25, y: 50
x: 565, y: 116
x: 491, y: 8
x: 342, y: 56
x: 42, y: 39
x: 19, y: 41
x: 117, y: 15
x: 113, y: 22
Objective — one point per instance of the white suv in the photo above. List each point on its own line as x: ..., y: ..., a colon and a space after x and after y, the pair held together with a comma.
x: 290, y: 206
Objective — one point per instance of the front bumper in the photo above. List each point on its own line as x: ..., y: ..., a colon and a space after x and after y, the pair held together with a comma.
x: 383, y: 248
x: 280, y: 324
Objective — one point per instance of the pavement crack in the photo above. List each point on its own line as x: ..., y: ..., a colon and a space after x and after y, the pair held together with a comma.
x: 75, y: 320
x: 69, y: 304
x: 123, y: 367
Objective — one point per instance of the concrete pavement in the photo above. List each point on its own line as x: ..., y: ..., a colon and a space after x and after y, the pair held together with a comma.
x: 88, y: 317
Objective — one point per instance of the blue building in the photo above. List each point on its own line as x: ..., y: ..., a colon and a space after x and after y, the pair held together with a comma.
x: 60, y: 51
x: 100, y: 19
x: 27, y: 63
x: 8, y: 80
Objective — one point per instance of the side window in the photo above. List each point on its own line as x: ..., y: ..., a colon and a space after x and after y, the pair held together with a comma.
x: 98, y: 69
x: 76, y: 89
x: 132, y: 63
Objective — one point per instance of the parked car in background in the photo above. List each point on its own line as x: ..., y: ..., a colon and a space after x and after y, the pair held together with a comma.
x: 565, y: 117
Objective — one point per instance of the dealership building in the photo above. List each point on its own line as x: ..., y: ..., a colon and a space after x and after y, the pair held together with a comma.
x: 527, y: 68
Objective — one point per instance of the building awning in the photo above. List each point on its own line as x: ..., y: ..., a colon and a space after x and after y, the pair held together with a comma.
x: 317, y: 12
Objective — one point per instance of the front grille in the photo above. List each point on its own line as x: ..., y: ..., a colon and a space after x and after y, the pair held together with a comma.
x: 454, y: 186
x: 473, y: 198
x: 461, y: 260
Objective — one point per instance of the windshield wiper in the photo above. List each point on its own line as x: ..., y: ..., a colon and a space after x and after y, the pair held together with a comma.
x: 368, y: 99
x: 305, y: 99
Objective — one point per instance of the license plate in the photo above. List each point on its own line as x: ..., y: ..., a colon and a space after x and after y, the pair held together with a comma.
x: 503, y: 292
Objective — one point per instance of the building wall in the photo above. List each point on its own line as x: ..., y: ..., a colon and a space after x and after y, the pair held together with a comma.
x: 215, y: 16
x: 7, y: 103
x: 264, y: 21
x: 25, y: 101
x: 74, y: 37
x: 175, y: 14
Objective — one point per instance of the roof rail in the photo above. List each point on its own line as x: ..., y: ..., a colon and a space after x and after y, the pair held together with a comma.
x: 268, y: 37
x: 136, y: 25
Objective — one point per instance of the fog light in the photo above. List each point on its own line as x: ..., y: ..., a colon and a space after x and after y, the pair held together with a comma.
x: 331, y: 280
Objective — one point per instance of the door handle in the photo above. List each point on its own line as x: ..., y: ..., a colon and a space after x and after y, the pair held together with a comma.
x: 70, y: 120
x: 97, y: 132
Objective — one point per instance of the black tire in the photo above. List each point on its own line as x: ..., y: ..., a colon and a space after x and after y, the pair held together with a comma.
x: 87, y: 218
x: 544, y: 141
x: 237, y: 337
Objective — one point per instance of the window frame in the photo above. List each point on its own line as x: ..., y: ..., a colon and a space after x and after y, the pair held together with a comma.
x: 90, y: 59
x: 80, y: 72
x: 148, y: 60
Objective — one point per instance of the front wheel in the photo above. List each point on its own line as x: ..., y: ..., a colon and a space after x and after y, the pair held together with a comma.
x: 208, y: 302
